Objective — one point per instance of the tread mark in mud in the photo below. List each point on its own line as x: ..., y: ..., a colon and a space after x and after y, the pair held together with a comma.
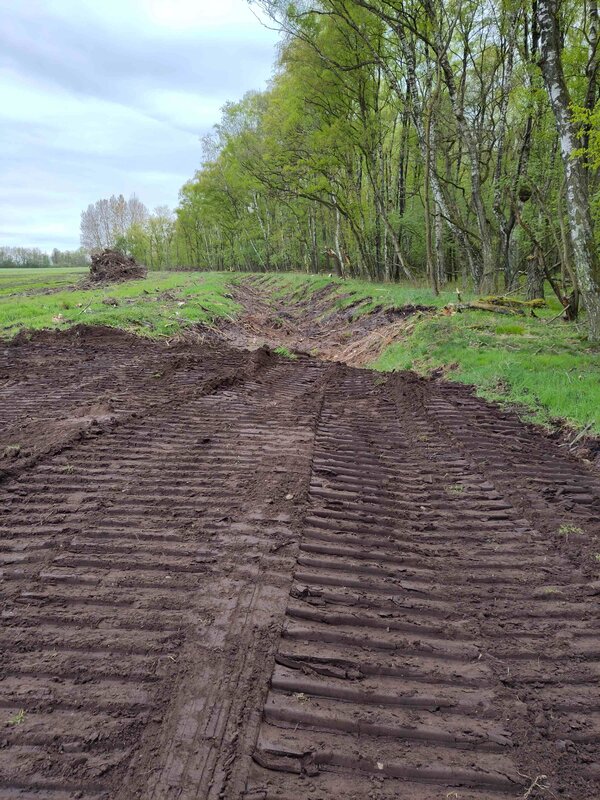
x: 206, y: 601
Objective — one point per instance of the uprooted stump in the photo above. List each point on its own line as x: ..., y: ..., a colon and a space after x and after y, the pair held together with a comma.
x: 111, y: 265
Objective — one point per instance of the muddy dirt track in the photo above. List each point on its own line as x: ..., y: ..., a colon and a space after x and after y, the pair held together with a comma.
x: 232, y: 575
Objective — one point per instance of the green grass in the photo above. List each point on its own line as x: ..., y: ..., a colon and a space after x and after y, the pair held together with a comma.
x: 18, y: 281
x: 161, y: 304
x: 348, y: 291
x: 565, y: 530
x: 546, y: 369
x: 286, y: 353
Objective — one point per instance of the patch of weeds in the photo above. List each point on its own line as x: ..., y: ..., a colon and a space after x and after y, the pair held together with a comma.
x: 380, y: 380
x: 568, y: 529
x: 12, y: 451
x: 69, y: 469
x: 455, y: 488
x: 18, y: 718
x: 157, y: 375
x: 285, y: 352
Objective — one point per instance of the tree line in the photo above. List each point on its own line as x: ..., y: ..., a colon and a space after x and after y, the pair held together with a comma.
x: 437, y: 139
x: 33, y: 257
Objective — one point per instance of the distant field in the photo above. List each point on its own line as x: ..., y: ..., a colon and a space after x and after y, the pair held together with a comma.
x: 159, y: 305
x: 25, y: 280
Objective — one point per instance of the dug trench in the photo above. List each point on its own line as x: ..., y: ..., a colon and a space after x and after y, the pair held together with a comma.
x: 237, y: 575
x: 309, y: 322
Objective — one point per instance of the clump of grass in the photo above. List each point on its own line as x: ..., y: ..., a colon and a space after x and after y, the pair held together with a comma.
x: 286, y: 353
x: 516, y: 330
x: 18, y: 718
x: 455, y: 488
x: 568, y: 529
x: 12, y: 451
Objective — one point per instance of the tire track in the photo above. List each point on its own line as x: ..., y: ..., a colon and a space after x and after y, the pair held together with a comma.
x: 422, y: 656
x: 282, y: 579
x: 141, y: 581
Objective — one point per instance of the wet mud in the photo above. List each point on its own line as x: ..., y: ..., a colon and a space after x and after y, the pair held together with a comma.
x: 236, y: 575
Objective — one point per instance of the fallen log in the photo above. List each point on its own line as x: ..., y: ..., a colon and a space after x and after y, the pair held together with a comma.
x: 512, y: 302
x: 497, y: 305
x: 476, y: 305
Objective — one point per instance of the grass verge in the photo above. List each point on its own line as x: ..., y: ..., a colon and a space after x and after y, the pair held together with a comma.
x: 548, y: 370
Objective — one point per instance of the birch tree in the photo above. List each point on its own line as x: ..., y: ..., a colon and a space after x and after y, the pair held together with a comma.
x: 585, y: 255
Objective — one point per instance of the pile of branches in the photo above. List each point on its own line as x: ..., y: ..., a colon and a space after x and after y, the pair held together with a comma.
x: 110, y: 266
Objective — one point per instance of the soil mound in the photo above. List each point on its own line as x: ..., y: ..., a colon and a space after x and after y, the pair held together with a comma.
x: 111, y: 266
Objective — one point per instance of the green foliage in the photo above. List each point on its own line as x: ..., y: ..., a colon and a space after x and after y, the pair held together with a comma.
x: 26, y: 257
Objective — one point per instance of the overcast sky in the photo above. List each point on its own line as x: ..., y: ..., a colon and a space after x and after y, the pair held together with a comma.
x: 101, y: 97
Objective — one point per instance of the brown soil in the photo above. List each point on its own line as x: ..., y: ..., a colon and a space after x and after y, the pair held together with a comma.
x: 233, y: 575
x: 312, y: 324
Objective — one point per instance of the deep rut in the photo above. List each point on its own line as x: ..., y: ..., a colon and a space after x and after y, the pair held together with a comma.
x: 295, y: 580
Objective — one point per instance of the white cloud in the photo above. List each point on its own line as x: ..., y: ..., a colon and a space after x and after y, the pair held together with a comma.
x: 103, y: 98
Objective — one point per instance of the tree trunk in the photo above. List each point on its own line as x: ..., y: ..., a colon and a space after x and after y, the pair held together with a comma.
x: 535, y: 277
x: 416, y: 111
x: 466, y: 137
x: 337, y: 239
x: 587, y: 266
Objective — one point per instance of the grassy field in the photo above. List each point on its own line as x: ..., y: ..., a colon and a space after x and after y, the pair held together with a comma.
x: 30, y: 280
x: 159, y: 305
x: 545, y: 368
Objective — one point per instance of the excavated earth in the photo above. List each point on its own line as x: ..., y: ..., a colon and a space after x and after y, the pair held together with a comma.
x: 312, y: 323
x: 235, y: 575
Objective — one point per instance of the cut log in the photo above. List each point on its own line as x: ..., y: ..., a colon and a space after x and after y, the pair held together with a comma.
x: 512, y: 302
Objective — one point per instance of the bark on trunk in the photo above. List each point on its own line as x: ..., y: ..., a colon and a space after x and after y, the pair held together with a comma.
x: 585, y: 258
x: 338, y: 235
